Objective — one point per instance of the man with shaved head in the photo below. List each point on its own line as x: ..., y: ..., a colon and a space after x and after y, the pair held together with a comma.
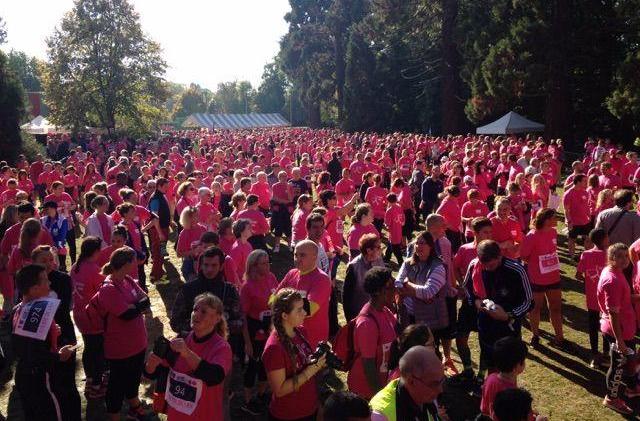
x: 412, y: 396
x: 315, y: 287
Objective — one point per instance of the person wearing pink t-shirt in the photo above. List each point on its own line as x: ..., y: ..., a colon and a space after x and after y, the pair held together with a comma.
x: 209, y: 214
x: 539, y: 251
x: 299, y: 219
x: 618, y: 324
x: 474, y: 208
x: 345, y: 187
x: 373, y: 335
x: 509, y: 354
x: 315, y: 286
x: 262, y: 189
x: 190, y: 234
x: 361, y: 224
x: 241, y: 247
x: 589, y: 267
x: 258, y: 287
x: 394, y: 221
x: 507, y: 231
x: 203, y: 362
x: 375, y: 196
x: 286, y: 357
x: 86, y: 280
x: 118, y: 307
x: 259, y: 224
x: 577, y: 214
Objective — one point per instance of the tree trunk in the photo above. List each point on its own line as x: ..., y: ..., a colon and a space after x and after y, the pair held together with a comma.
x: 558, y: 109
x: 453, y: 119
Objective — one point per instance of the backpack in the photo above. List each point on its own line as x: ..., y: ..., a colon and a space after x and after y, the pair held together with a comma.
x: 344, y: 342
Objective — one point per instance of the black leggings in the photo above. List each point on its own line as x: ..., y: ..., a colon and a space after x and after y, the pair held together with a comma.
x: 124, y: 381
x: 93, y: 358
x: 397, y: 251
x: 71, y: 244
x: 255, y: 367
x: 594, y: 333
x: 618, y: 377
x: 41, y: 400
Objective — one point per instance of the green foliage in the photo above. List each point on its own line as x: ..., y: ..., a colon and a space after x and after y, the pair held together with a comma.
x: 3, y: 31
x: 233, y: 98
x: 31, y: 147
x: 11, y: 111
x: 27, y: 69
x: 103, y: 70
x: 270, y: 97
x: 190, y: 101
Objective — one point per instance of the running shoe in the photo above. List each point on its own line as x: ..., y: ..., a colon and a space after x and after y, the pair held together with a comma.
x: 450, y: 367
x: 617, y: 405
x: 253, y: 408
x: 163, y: 280
x: 94, y: 391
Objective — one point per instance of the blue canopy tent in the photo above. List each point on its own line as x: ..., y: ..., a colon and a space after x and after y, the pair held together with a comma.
x: 235, y: 121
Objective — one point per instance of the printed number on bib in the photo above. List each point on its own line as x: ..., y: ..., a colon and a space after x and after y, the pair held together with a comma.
x: 183, y: 392
x: 549, y: 263
x: 36, y: 317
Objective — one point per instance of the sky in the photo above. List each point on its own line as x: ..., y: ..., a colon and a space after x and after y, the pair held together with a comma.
x: 203, y: 41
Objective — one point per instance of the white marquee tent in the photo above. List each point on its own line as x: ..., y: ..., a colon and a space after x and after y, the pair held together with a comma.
x: 510, y: 123
x: 235, y: 121
x: 41, y: 125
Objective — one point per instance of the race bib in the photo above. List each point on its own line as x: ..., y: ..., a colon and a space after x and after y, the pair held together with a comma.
x: 36, y: 317
x: 548, y: 263
x: 183, y: 392
x: 386, y: 350
x: 340, y: 226
x: 265, y: 316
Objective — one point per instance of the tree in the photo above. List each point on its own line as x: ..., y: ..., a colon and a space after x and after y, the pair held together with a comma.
x: 3, y: 31
x: 27, y: 69
x: 270, y: 97
x: 11, y: 111
x: 190, y: 101
x: 103, y: 70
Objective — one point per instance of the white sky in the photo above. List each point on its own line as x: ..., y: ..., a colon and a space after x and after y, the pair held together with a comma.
x: 203, y: 41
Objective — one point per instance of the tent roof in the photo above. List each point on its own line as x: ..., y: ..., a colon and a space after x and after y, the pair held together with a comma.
x: 41, y: 125
x: 235, y: 121
x: 509, y: 123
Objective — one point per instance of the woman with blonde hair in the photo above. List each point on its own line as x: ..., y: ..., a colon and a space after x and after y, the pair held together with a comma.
x: 203, y: 362
x: 190, y: 234
x: 254, y: 302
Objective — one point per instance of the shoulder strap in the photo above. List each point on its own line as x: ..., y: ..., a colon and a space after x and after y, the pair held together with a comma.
x: 615, y: 223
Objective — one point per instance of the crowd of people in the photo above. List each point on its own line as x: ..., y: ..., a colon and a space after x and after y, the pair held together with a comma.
x: 438, y: 237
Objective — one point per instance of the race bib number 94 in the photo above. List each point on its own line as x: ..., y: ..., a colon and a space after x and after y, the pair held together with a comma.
x: 183, y: 392
x: 36, y: 317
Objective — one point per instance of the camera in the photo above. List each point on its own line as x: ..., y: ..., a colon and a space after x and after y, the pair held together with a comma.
x: 332, y: 359
x: 162, y: 348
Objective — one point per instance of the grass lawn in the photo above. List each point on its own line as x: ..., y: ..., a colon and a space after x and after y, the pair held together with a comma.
x: 561, y: 382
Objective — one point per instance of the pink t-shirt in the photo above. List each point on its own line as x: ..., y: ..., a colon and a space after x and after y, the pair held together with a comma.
x: 214, y: 350
x: 85, y: 283
x: 450, y: 211
x: 394, y: 220
x: 591, y: 264
x: 122, y: 338
x: 304, y: 401
x: 493, y: 385
x: 376, y: 197
x: 208, y: 215
x: 576, y: 203
x: 373, y: 341
x: 254, y: 299
x: 316, y: 287
x: 188, y: 236
x: 466, y: 253
x: 614, y: 294
x: 239, y: 253
x: 356, y: 232
x: 299, y: 225
x: 263, y: 191
x: 473, y: 209
x: 540, y: 252
x: 259, y: 224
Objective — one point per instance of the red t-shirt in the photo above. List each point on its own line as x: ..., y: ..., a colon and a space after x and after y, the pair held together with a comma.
x: 493, y: 385
x: 540, y: 252
x: 316, y: 287
x: 371, y: 340
x: 122, y: 338
x: 303, y: 402
x: 591, y: 264
x: 214, y: 350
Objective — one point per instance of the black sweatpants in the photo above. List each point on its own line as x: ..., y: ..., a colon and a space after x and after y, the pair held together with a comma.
x: 64, y: 380
x: 124, y: 380
x: 618, y: 377
x: 38, y: 393
x: 594, y: 333
x: 93, y: 357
